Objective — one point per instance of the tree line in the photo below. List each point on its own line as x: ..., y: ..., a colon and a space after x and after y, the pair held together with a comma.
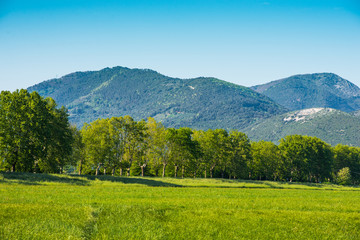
x: 35, y: 136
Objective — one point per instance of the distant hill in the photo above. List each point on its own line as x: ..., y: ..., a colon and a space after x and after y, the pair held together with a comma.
x: 313, y: 90
x: 200, y: 103
x: 332, y: 126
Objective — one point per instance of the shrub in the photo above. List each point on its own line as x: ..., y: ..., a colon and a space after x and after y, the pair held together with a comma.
x: 343, y: 176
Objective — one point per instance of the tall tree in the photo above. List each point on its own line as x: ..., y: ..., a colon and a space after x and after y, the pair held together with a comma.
x: 266, y: 161
x: 184, y: 150
x: 157, y: 150
x: 34, y: 133
x: 215, y: 149
x: 98, y: 144
x: 135, y: 135
x: 239, y: 155
x: 346, y: 156
x: 306, y: 158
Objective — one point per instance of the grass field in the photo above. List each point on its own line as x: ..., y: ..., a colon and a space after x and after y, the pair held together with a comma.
x: 40, y: 206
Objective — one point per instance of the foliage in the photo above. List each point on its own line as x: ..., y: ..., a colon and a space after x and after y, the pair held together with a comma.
x: 34, y: 134
x: 306, y: 158
x: 266, y: 161
x: 347, y: 157
x: 115, y: 142
x: 343, y: 177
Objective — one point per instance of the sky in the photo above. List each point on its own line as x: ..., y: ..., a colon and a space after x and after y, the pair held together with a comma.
x: 247, y: 42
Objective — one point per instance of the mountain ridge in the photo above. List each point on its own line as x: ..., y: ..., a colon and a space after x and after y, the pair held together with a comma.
x: 195, y: 102
x: 313, y: 90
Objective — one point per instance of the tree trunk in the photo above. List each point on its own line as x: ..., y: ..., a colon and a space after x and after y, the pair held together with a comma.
x: 211, y: 171
x: 97, y: 170
x: 104, y: 170
x: 80, y: 167
x: 205, y: 173
x: 121, y: 171
x: 183, y: 172
x: 164, y: 166
x: 176, y: 169
x: 142, y: 170
x: 113, y: 172
x: 13, y: 167
x: 128, y: 172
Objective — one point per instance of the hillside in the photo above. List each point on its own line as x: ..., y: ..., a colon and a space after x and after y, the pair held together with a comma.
x: 356, y: 113
x: 332, y: 126
x: 313, y: 90
x: 198, y: 103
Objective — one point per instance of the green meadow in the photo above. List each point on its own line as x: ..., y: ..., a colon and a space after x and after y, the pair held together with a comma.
x: 41, y: 206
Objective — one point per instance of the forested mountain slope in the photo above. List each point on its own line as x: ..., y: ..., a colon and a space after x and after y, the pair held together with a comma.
x: 313, y: 90
x: 198, y: 103
x: 332, y: 126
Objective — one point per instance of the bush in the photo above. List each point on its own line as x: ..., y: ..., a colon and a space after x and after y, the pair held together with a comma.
x: 343, y: 177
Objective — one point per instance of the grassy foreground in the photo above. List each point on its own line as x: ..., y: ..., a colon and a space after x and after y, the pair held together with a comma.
x: 40, y: 206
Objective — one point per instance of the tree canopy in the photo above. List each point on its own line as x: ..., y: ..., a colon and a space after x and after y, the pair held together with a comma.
x: 35, y: 135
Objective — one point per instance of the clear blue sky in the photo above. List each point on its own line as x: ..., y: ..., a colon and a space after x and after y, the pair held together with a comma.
x: 247, y: 42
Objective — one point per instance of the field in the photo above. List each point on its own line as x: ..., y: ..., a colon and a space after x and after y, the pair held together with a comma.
x: 40, y: 206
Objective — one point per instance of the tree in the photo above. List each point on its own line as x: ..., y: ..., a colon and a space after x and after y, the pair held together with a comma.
x: 239, y: 155
x: 266, y: 161
x: 118, y: 136
x: 343, y: 177
x: 346, y: 156
x: 78, y: 150
x: 34, y: 133
x: 58, y: 144
x: 214, y: 147
x: 98, y: 144
x: 184, y: 150
x: 135, y: 135
x: 306, y: 158
x: 156, y: 145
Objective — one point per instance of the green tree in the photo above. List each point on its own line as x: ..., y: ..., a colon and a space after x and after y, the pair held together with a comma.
x: 34, y: 133
x: 266, y: 160
x: 98, y: 144
x: 78, y: 150
x: 343, y: 177
x: 346, y: 156
x: 135, y: 135
x: 58, y: 144
x: 305, y: 158
x: 156, y: 145
x: 214, y: 145
x: 184, y: 150
x: 239, y: 155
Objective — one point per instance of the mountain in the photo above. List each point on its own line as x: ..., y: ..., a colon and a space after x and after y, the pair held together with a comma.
x: 313, y: 90
x: 332, y: 126
x: 356, y: 113
x: 198, y: 103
